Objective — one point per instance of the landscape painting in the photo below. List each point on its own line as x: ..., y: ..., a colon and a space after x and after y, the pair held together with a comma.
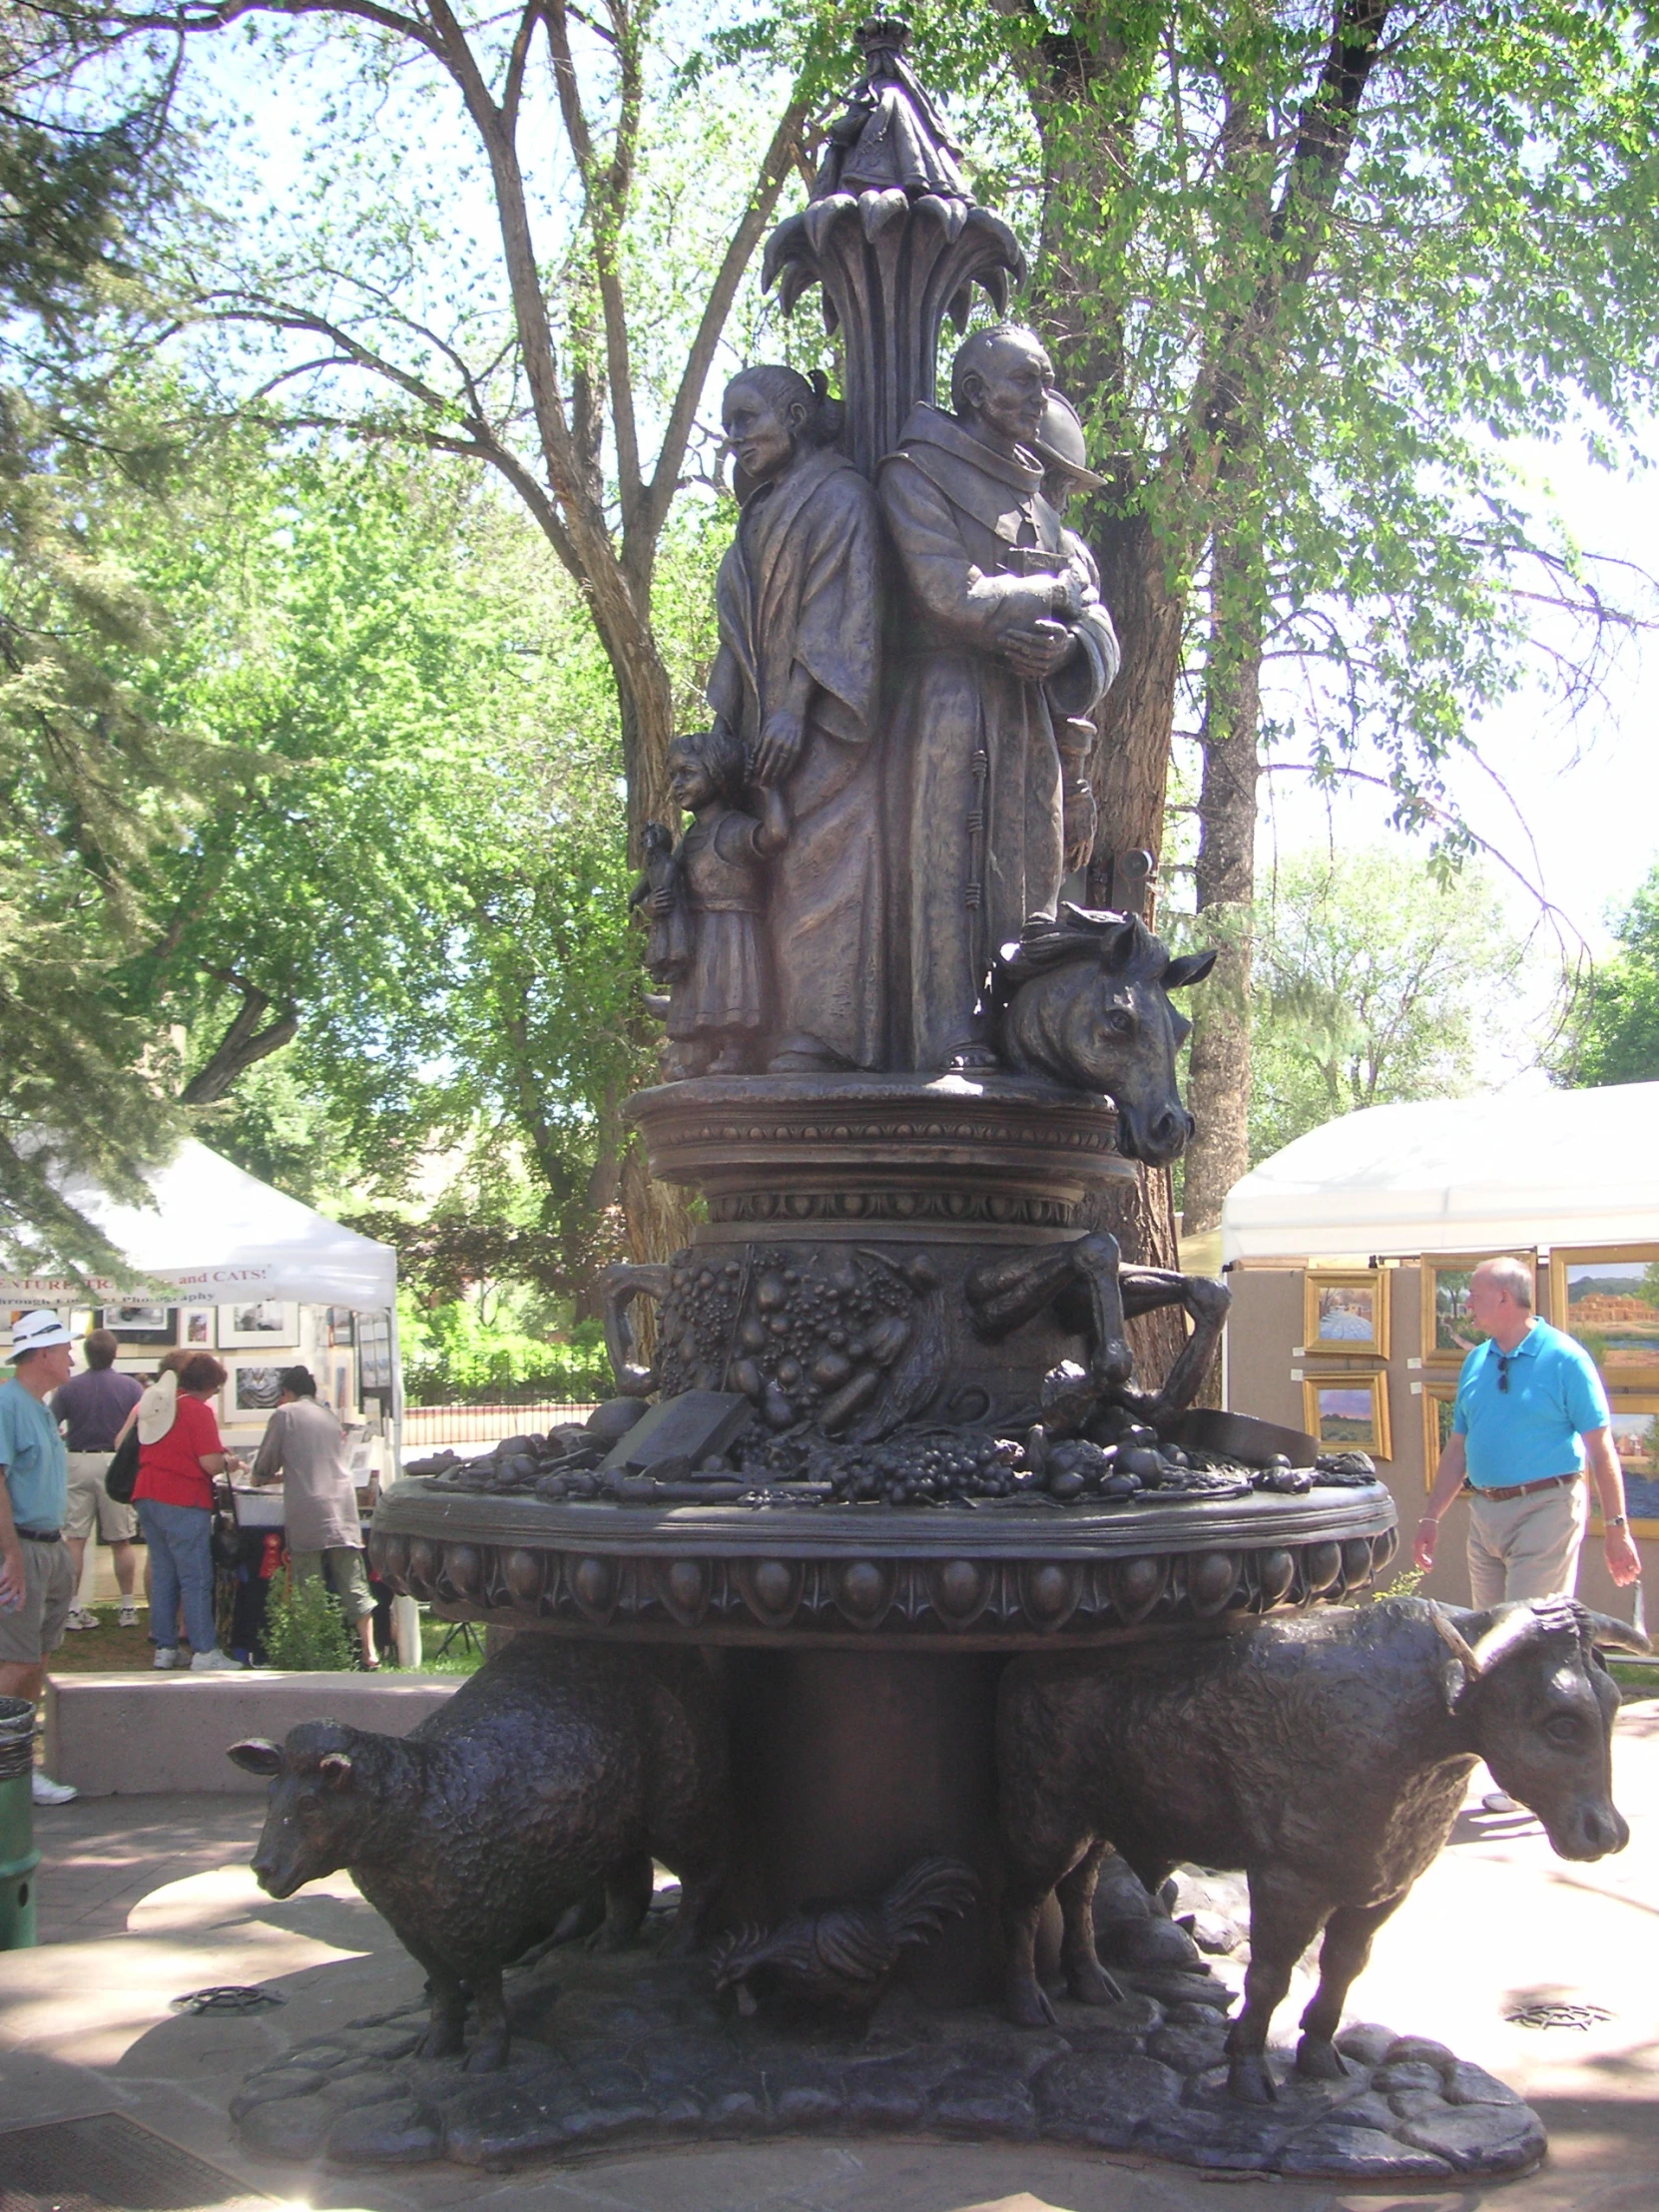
x: 1635, y: 1427
x: 1439, y: 1400
x: 1609, y: 1301
x: 1449, y: 1332
x: 1346, y: 1311
x: 1350, y: 1415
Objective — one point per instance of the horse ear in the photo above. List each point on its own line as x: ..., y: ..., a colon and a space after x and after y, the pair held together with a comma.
x: 1192, y: 967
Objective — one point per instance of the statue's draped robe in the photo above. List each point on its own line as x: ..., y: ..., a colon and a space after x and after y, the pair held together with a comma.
x: 962, y: 516
x: 800, y: 585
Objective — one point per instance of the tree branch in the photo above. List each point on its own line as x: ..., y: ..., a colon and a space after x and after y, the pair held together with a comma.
x: 774, y: 164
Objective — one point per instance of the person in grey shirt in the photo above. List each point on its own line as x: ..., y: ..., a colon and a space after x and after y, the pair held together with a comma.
x: 92, y: 1410
x: 303, y: 1447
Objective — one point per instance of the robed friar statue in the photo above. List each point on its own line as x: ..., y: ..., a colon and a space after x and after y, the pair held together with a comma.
x: 1004, y: 636
x: 797, y: 680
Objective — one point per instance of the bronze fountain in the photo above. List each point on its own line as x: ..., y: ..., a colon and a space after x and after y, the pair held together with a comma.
x: 889, y: 1437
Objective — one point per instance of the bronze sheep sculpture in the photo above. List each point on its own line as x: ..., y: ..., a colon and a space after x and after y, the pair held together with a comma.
x: 556, y: 1769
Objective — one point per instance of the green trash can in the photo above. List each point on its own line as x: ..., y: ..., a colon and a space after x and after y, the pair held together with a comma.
x: 18, y: 1856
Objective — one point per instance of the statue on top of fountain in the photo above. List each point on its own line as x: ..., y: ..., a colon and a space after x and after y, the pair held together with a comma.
x: 912, y: 643
x: 1007, y: 637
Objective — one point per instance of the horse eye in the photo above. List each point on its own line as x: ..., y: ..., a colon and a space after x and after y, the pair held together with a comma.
x: 1563, y: 1728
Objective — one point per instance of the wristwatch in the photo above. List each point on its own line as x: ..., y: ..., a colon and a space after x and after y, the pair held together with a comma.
x: 1618, y: 1521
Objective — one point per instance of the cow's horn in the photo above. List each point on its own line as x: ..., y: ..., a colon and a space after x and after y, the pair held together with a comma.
x: 1456, y: 1642
x: 1614, y: 1635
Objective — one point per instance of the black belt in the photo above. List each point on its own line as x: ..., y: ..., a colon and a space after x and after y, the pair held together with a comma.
x: 1522, y: 1490
x: 41, y: 1535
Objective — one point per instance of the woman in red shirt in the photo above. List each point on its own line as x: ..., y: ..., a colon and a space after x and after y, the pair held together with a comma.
x: 173, y: 1493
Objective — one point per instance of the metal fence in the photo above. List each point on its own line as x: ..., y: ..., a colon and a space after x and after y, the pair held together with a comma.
x: 430, y: 1428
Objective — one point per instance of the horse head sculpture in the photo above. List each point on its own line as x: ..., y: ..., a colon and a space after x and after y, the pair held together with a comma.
x: 1084, y: 999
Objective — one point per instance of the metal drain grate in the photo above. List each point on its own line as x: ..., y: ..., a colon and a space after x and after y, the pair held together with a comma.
x: 1581, y: 2016
x: 107, y: 2163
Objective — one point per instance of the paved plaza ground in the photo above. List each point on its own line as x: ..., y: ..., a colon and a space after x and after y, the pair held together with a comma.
x: 144, y: 1898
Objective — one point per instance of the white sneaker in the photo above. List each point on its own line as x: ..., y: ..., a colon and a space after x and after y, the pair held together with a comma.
x: 166, y: 1656
x: 214, y: 1662
x: 45, y: 1791
x: 78, y: 1617
x: 129, y: 1616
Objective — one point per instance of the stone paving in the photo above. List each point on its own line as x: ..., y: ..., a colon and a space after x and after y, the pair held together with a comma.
x: 87, y: 2025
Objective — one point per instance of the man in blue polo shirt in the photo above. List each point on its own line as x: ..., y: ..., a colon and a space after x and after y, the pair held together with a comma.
x: 1530, y: 1415
x: 37, y: 1581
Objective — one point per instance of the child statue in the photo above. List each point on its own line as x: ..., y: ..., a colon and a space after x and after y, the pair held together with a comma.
x: 712, y: 900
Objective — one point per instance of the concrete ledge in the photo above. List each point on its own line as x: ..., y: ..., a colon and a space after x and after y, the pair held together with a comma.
x: 130, y: 1735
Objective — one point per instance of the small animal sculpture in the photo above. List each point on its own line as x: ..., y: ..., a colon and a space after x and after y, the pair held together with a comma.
x: 1085, y: 1001
x: 839, y: 1958
x: 1094, y: 1293
x: 1325, y: 1757
x: 554, y: 1769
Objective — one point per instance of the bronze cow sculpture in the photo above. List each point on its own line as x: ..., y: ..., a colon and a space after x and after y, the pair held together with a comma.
x: 1085, y: 1001
x: 1326, y: 1756
x: 554, y: 1769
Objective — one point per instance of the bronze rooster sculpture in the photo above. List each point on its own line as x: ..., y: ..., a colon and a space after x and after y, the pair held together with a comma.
x: 839, y: 1958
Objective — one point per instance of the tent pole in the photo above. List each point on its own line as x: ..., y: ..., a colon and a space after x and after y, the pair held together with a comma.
x: 405, y: 1614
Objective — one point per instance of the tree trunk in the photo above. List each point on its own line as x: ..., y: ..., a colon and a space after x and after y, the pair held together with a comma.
x: 1217, y: 1090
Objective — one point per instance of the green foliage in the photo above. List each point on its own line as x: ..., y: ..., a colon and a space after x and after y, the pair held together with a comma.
x: 1375, y: 985
x: 1618, y: 1038
x: 305, y: 1628
x: 454, y: 1356
x: 418, y: 872
x: 88, y: 783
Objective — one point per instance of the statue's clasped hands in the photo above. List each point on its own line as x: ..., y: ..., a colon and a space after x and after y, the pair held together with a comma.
x: 1037, y: 650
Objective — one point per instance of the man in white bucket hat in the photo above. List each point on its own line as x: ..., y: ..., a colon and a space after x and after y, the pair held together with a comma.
x: 37, y: 1580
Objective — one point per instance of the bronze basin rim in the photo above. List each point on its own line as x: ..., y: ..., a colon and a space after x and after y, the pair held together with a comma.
x: 1261, y: 1521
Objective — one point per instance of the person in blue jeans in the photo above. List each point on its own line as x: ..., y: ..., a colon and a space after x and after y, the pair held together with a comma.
x: 180, y: 1452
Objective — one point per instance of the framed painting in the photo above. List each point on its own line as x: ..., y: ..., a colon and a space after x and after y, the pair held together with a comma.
x: 140, y: 1325
x: 1438, y: 1399
x: 1348, y: 1413
x: 1345, y: 1312
x: 1449, y: 1332
x: 337, y: 1323
x: 343, y: 1394
x: 259, y: 1323
x: 253, y: 1388
x: 1635, y: 1428
x: 197, y: 1327
x: 374, y: 1351
x: 1607, y: 1296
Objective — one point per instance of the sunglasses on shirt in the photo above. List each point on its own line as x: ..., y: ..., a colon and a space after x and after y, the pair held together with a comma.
x: 1503, y: 1371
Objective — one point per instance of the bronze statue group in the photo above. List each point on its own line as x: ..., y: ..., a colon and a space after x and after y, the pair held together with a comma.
x: 893, y: 781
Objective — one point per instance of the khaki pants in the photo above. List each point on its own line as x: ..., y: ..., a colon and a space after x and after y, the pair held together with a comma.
x: 1526, y: 1546
x: 342, y: 1566
x: 91, y: 1505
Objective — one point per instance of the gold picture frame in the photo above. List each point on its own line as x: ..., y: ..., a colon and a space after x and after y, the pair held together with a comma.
x: 1438, y: 1399
x: 1345, y: 1313
x: 1347, y: 1413
x: 1635, y: 1428
x: 1614, y: 1287
x: 1447, y: 1336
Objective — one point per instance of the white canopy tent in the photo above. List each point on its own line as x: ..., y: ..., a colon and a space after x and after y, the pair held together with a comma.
x: 217, y: 1233
x: 1457, y: 1175
x: 215, y: 1236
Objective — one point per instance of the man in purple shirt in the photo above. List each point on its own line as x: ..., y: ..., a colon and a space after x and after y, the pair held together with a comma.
x: 92, y: 1410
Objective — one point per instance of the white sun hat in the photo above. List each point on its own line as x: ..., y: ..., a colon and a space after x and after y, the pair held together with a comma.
x: 35, y: 1332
